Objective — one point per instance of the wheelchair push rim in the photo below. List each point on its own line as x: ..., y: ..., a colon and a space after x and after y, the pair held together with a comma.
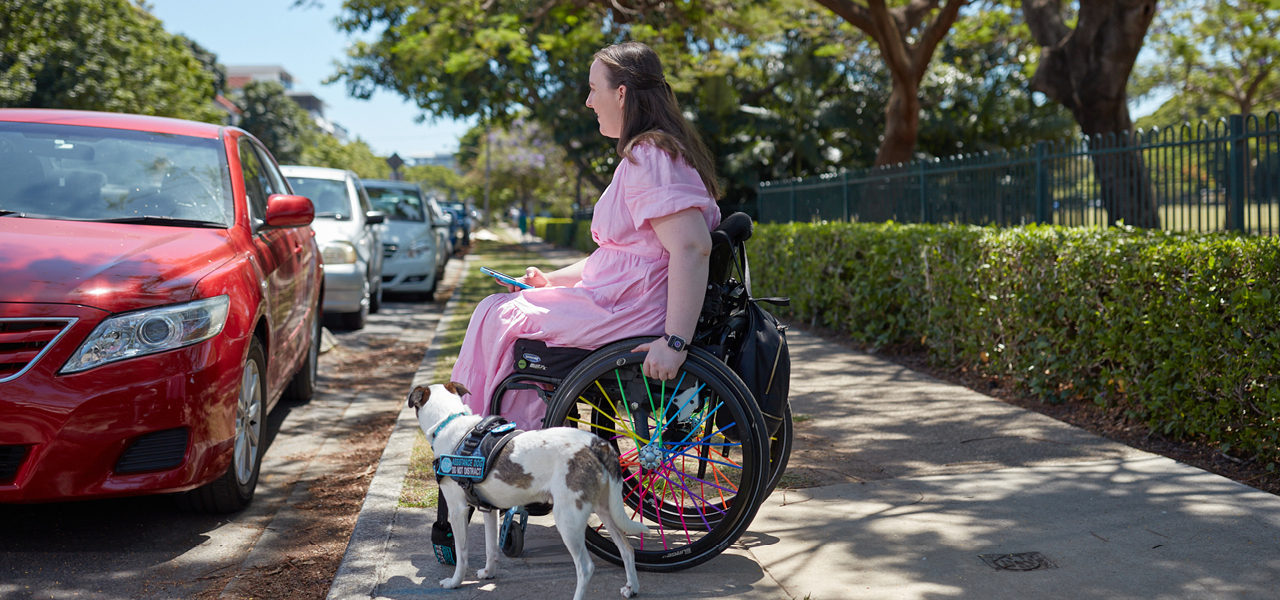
x: 693, y: 452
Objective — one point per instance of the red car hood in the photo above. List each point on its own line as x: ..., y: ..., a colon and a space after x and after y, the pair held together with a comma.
x: 111, y: 266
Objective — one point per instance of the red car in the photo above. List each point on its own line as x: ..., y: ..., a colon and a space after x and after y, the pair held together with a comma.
x: 160, y: 292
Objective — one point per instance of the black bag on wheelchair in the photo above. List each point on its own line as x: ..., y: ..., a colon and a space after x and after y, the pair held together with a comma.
x: 534, y: 357
x: 762, y: 361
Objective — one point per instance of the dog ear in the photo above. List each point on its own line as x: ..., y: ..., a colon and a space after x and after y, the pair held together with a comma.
x: 419, y: 396
x: 457, y: 388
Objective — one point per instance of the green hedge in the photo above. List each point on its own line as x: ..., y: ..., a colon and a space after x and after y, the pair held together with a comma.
x: 554, y: 230
x: 1181, y: 330
x: 565, y: 232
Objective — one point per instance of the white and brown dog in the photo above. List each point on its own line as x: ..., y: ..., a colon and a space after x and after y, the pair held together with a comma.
x: 575, y: 471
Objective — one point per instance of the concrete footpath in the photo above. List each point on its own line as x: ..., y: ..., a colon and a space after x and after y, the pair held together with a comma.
x: 938, y: 476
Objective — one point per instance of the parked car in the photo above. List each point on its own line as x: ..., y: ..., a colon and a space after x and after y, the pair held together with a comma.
x: 160, y: 292
x: 443, y: 223
x: 460, y: 230
x: 349, y: 232
x: 415, y: 243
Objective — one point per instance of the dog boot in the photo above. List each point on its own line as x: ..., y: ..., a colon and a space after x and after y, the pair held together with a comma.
x: 442, y: 535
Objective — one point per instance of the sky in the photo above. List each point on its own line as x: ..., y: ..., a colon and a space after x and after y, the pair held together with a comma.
x: 306, y: 43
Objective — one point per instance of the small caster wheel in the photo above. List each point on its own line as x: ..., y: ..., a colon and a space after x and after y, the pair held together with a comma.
x: 514, y: 545
x: 511, y: 534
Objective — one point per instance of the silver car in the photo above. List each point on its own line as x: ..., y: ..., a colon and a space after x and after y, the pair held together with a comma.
x: 349, y: 233
x: 416, y: 241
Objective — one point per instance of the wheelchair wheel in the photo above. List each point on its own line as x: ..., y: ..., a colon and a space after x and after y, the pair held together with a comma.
x: 693, y: 451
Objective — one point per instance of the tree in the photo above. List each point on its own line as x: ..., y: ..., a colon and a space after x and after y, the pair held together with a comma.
x: 527, y: 168
x: 1219, y: 56
x: 907, y: 36
x: 439, y: 178
x: 320, y: 149
x: 1086, y: 69
x: 278, y: 122
x: 104, y: 55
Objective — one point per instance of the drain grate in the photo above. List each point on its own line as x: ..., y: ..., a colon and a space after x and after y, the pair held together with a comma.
x: 1024, y: 561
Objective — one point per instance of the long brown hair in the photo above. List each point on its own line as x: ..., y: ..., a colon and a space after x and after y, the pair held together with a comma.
x: 650, y: 112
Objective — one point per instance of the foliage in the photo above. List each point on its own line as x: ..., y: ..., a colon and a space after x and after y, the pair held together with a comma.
x: 526, y: 169
x: 1181, y: 330
x: 1219, y: 57
x: 441, y: 179
x: 779, y: 88
x: 104, y: 55
x: 322, y: 150
x: 977, y: 94
x: 277, y: 121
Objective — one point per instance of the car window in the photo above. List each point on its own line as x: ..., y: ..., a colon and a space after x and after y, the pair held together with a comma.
x: 100, y: 174
x: 398, y: 203
x: 273, y: 172
x: 363, y: 195
x: 329, y: 196
x: 257, y: 184
x: 437, y: 213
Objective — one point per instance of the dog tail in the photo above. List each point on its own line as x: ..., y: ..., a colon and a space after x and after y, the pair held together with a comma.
x: 609, y: 457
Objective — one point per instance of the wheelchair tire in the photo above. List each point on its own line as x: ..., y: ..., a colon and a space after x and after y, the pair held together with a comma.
x: 780, y: 450
x: 704, y: 490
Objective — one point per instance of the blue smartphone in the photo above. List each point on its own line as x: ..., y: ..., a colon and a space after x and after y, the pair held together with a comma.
x: 504, y: 278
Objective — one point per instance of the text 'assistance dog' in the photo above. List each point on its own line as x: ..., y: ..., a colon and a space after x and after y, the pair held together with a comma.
x: 575, y: 471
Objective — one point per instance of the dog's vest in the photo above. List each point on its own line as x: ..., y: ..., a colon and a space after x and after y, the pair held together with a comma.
x: 485, y: 440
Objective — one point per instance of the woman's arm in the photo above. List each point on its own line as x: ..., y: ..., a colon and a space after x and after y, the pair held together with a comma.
x: 684, y: 235
x: 563, y: 277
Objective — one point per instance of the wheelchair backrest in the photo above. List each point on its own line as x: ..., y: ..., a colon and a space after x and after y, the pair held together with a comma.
x: 728, y: 246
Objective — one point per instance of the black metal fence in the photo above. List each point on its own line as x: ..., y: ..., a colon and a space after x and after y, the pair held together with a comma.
x: 1210, y: 177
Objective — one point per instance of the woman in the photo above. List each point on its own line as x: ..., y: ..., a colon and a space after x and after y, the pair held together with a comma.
x: 653, y: 227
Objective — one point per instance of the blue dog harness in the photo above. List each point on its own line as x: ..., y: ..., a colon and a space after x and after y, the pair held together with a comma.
x: 475, y: 455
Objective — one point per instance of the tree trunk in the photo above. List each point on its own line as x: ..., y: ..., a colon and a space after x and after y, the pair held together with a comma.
x: 902, y: 123
x: 1087, y: 69
x: 906, y: 36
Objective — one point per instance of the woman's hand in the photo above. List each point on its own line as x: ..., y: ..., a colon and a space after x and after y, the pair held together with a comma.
x: 532, y: 276
x: 662, y: 363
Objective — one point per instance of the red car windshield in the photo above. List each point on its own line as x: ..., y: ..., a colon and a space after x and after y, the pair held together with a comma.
x: 99, y: 174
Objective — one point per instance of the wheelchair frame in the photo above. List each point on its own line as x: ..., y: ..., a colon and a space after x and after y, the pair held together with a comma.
x: 763, y: 458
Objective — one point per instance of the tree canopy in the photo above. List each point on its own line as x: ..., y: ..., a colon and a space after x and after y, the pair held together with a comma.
x: 779, y: 88
x: 105, y: 55
x: 320, y: 149
x: 277, y: 121
x: 1219, y: 58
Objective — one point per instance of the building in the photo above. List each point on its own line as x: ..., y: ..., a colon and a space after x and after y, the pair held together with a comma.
x: 240, y: 75
x: 443, y: 160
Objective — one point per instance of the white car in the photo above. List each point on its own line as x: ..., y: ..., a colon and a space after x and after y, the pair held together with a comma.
x: 416, y: 240
x: 349, y: 233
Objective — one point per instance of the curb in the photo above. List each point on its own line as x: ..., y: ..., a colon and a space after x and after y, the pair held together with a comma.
x: 360, y: 571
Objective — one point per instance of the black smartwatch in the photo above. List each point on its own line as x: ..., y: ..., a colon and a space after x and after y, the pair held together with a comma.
x: 675, y: 342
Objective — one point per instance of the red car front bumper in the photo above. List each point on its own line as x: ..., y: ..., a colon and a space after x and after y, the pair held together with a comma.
x: 71, y: 431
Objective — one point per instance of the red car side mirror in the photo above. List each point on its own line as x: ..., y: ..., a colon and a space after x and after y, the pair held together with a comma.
x: 284, y: 210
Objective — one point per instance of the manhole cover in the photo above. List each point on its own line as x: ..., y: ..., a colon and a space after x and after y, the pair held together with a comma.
x: 1025, y: 561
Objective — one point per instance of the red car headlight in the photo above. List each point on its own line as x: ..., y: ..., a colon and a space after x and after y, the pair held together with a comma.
x: 134, y: 334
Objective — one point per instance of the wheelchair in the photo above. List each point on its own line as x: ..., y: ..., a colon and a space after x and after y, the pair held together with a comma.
x: 696, y: 454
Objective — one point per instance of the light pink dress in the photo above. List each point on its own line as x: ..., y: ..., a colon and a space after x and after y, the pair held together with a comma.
x: 623, y: 292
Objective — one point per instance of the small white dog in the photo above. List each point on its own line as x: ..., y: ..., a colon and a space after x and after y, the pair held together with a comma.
x: 575, y: 471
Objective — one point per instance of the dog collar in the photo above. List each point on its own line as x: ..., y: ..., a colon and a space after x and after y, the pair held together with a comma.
x: 451, y: 417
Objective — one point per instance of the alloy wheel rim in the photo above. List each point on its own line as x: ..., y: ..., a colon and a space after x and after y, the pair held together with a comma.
x: 247, y: 409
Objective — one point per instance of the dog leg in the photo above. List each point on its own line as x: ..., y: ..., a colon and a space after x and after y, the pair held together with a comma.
x: 571, y: 521
x: 459, y: 518
x: 490, y: 546
x: 632, y: 589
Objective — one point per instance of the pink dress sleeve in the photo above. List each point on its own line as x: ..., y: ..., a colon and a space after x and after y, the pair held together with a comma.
x: 658, y: 186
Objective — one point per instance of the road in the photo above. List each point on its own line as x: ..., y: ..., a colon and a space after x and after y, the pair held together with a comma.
x: 144, y: 547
